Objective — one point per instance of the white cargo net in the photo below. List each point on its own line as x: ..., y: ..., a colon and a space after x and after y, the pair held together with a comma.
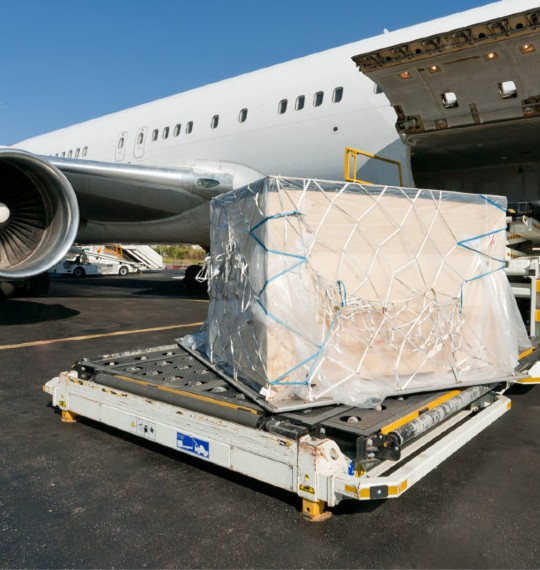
x: 327, y: 289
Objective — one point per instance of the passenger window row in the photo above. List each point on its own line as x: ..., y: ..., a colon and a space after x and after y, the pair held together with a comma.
x: 166, y: 131
x: 318, y: 99
x: 73, y: 154
x: 300, y: 103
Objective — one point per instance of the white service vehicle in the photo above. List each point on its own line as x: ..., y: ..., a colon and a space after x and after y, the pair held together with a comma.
x: 142, y: 256
x: 81, y: 262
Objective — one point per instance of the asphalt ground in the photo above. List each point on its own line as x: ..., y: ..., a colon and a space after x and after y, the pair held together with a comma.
x: 86, y: 496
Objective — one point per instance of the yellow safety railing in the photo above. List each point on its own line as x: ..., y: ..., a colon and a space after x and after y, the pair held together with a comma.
x: 351, y: 159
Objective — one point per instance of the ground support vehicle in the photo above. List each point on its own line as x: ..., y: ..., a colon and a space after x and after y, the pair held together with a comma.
x: 81, y: 263
x: 523, y: 260
x: 172, y: 396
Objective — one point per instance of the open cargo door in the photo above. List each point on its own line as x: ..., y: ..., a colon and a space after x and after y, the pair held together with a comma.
x: 466, y: 99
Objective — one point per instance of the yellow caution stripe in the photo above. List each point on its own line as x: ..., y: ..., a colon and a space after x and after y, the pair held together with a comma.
x: 100, y: 335
x: 393, y: 490
x: 528, y: 351
x: 397, y: 489
x: 528, y: 381
x: 364, y: 493
x: 199, y: 397
x: 414, y: 414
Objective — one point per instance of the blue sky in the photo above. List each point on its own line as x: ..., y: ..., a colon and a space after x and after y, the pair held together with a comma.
x: 65, y: 61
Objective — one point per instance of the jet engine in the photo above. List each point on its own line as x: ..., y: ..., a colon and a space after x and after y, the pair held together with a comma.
x: 39, y: 215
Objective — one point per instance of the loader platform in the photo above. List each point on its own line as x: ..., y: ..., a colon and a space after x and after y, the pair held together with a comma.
x: 326, y: 454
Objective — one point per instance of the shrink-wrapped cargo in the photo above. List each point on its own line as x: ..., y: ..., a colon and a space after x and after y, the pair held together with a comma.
x: 333, y: 290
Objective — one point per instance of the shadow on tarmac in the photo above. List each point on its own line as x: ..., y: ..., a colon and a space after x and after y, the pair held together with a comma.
x: 346, y: 507
x: 138, y: 285
x: 519, y: 389
x: 18, y: 312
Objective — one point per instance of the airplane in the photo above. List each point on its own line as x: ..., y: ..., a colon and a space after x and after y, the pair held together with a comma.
x: 455, y: 101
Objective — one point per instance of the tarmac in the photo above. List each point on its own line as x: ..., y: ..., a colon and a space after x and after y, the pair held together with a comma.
x: 85, y: 496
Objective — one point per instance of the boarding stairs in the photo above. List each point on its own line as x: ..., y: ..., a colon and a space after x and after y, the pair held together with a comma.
x: 145, y: 255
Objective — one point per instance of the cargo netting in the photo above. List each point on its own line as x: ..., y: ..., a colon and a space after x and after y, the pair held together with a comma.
x: 353, y: 292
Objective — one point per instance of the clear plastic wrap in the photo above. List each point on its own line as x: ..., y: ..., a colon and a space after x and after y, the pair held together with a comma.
x: 334, y: 290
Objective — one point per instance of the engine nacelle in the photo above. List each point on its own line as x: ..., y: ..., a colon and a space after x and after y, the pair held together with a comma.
x: 39, y: 215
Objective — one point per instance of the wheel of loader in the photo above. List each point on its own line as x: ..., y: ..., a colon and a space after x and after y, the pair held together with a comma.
x: 190, y: 280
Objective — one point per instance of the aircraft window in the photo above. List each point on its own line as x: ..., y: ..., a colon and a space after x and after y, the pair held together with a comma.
x: 120, y: 143
x: 376, y: 89
x: 318, y: 98
x: 140, y: 138
x: 69, y: 154
x: 84, y: 151
x: 155, y: 134
x: 338, y: 94
x: 242, y: 116
x: 165, y: 134
x: 215, y: 121
x: 63, y: 154
x: 177, y: 129
x: 282, y: 107
x: 77, y: 152
x: 189, y: 127
x: 300, y: 102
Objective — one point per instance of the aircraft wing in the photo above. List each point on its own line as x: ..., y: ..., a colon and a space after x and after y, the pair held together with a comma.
x: 48, y: 202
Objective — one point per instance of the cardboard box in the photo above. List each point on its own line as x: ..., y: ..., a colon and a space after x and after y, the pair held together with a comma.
x: 358, y: 292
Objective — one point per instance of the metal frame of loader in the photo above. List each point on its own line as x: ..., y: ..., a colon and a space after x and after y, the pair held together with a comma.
x: 324, y: 455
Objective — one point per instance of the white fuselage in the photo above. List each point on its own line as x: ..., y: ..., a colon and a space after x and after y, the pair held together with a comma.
x: 298, y: 142
x: 242, y: 119
x: 147, y: 174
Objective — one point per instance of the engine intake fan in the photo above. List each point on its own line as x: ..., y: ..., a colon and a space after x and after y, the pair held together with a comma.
x: 39, y: 215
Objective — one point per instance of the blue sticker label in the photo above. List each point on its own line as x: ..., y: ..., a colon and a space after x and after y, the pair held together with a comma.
x: 193, y: 445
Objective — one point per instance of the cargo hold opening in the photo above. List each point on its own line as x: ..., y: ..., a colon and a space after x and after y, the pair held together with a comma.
x: 467, y: 104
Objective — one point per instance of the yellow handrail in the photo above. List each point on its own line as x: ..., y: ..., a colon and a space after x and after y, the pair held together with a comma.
x: 352, y: 153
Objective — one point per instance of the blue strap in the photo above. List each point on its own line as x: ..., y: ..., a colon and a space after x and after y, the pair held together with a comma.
x: 463, y: 243
x: 492, y: 202
x: 320, y: 351
x: 301, y: 260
